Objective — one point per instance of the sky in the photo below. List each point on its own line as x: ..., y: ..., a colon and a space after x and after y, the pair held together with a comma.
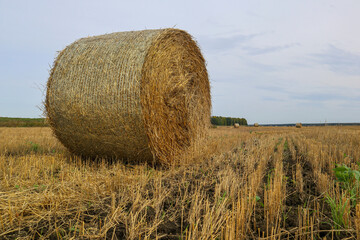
x: 269, y: 61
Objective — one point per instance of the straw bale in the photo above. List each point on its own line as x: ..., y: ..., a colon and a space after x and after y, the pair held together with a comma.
x: 298, y: 125
x: 236, y: 125
x: 256, y: 124
x: 139, y: 95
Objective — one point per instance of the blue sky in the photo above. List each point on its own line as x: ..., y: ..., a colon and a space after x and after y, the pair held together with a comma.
x: 270, y: 61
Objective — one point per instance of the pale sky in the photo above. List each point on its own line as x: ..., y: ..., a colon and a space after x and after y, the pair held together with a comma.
x: 269, y: 61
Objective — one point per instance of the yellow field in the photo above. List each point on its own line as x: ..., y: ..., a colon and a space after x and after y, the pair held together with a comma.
x: 247, y: 183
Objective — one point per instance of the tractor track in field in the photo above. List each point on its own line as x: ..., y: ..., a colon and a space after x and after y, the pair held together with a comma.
x: 309, y: 197
x: 295, y: 199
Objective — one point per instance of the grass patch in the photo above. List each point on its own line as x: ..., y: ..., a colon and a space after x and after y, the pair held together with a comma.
x: 22, y: 122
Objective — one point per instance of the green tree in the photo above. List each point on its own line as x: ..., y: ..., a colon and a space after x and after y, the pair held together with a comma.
x: 227, y: 121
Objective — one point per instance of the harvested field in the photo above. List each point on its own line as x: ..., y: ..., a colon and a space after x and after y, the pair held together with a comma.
x: 268, y: 183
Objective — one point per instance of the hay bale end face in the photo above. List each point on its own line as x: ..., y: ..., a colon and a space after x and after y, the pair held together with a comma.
x: 298, y: 125
x: 139, y: 95
x: 256, y: 124
x: 236, y: 125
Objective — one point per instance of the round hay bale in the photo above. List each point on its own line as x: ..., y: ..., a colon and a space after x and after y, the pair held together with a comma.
x: 256, y: 124
x: 139, y: 95
x: 236, y: 125
x: 298, y: 125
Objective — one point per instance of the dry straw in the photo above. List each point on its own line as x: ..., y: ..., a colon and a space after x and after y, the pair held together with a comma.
x: 256, y: 124
x: 139, y: 95
x: 236, y: 125
x: 298, y: 125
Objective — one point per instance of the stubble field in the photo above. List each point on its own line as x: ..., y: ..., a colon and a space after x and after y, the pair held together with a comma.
x: 246, y: 183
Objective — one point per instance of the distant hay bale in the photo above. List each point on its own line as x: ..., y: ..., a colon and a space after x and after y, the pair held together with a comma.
x: 298, y: 125
x: 139, y: 95
x: 236, y: 125
x: 256, y: 124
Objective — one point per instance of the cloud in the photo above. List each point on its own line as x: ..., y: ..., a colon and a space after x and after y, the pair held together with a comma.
x: 272, y: 88
x: 224, y: 43
x: 272, y: 99
x: 339, y: 61
x: 323, y: 97
x: 265, y: 50
x: 313, y: 96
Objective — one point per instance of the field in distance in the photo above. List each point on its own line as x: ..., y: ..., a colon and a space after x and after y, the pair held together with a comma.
x: 246, y: 183
x: 22, y: 122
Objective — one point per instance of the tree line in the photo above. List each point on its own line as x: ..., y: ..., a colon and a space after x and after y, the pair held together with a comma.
x: 227, y: 121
